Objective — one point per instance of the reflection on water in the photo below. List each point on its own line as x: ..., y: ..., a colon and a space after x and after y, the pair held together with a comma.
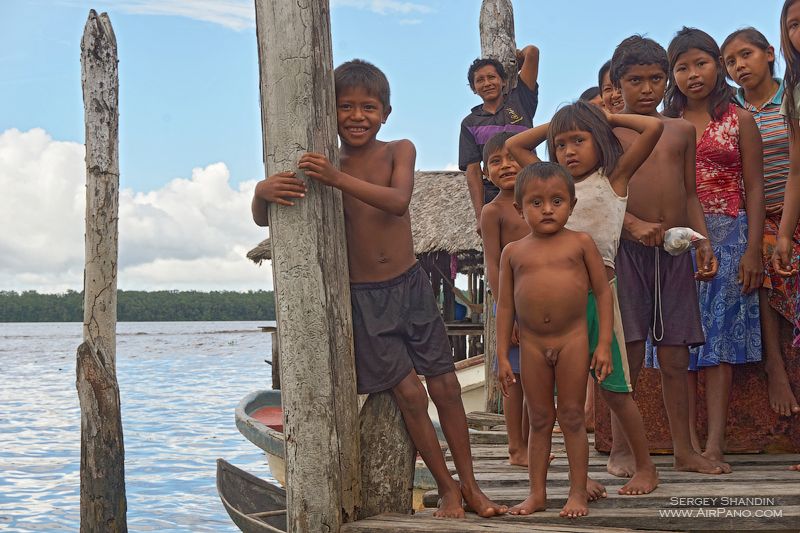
x: 179, y: 385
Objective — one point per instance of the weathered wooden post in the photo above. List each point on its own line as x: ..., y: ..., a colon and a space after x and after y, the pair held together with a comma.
x: 497, y: 40
x: 309, y: 263
x: 103, y: 504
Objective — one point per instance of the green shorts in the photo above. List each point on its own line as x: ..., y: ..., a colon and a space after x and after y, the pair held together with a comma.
x: 619, y: 380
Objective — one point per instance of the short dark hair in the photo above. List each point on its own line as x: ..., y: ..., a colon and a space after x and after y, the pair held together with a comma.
x: 362, y: 74
x: 543, y: 171
x: 589, y: 94
x: 751, y: 36
x: 637, y: 50
x: 583, y: 116
x: 495, y: 143
x: 674, y: 99
x: 480, y: 63
x: 602, y: 72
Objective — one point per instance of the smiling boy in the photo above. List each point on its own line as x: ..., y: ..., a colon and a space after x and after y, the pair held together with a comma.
x: 497, y: 113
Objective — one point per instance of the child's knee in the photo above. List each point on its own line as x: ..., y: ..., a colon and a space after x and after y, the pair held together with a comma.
x: 541, y: 419
x: 411, y: 397
x: 444, y: 389
x: 571, y: 418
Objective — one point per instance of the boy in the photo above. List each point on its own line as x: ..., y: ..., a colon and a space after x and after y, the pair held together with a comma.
x: 544, y: 281
x: 397, y: 329
x: 662, y: 194
x: 498, y: 112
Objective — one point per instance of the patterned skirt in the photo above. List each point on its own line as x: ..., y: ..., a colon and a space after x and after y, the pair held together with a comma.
x: 784, y: 293
x: 731, y: 319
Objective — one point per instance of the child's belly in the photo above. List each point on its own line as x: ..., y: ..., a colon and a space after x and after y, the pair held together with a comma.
x: 550, y: 306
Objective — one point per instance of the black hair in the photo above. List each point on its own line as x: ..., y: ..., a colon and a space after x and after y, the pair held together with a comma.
x: 751, y: 36
x: 543, y: 171
x: 589, y: 94
x: 495, y: 143
x: 584, y: 116
x: 791, y: 77
x: 482, y: 62
x: 636, y: 50
x: 602, y: 72
x: 362, y: 74
x: 674, y: 99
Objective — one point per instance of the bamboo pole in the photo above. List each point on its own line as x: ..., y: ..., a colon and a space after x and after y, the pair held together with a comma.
x: 312, y: 293
x: 103, y: 504
x: 497, y: 40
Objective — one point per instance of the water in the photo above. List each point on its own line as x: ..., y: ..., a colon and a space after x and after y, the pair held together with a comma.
x: 179, y: 385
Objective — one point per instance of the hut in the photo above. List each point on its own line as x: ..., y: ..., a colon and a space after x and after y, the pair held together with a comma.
x: 446, y: 243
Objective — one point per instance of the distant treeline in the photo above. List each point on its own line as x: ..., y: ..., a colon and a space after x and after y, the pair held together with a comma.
x: 141, y: 306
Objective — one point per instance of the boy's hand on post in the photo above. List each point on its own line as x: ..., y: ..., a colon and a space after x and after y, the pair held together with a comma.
x: 751, y: 270
x: 505, y: 376
x: 281, y: 186
x: 319, y: 167
x: 782, y: 258
x: 706, y: 262
x: 601, y: 363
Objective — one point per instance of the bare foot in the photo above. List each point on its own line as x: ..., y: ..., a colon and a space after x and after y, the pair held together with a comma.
x: 694, y: 462
x: 795, y: 468
x: 594, y: 489
x: 575, y: 506
x: 718, y: 458
x: 642, y: 482
x: 781, y: 398
x: 478, y: 503
x: 621, y: 464
x: 450, y: 505
x: 519, y: 458
x: 533, y: 503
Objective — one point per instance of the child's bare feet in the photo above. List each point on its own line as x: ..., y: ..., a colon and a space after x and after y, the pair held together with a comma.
x: 576, y: 505
x: 694, y: 462
x: 450, y: 505
x: 478, y: 503
x: 594, y: 490
x: 518, y: 458
x: 621, y: 463
x: 719, y: 458
x: 533, y: 503
x: 795, y: 468
x: 781, y: 398
x: 643, y: 482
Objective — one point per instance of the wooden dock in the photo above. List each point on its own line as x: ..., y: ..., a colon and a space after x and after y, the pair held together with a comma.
x: 760, y: 494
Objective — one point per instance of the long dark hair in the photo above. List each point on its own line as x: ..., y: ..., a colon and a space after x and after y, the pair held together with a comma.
x: 584, y: 116
x: 791, y: 78
x: 674, y: 99
x: 751, y: 36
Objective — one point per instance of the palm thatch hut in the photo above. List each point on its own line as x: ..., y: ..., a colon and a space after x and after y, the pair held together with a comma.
x: 445, y: 241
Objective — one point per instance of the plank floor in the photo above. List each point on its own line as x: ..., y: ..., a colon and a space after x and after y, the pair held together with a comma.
x: 760, y: 494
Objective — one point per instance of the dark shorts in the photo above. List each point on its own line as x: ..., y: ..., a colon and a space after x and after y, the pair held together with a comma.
x: 490, y: 191
x: 677, y: 318
x: 397, y: 328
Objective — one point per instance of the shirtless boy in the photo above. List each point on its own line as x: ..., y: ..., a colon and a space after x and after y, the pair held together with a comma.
x: 662, y: 194
x: 396, y: 340
x: 545, y: 281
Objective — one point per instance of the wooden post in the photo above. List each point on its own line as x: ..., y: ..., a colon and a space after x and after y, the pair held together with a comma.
x: 276, y: 361
x: 497, y: 41
x: 103, y: 504
x: 309, y: 262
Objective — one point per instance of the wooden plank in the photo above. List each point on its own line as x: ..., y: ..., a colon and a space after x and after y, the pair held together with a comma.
x: 483, y: 420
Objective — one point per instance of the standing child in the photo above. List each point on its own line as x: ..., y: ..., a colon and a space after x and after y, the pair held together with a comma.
x: 731, y: 190
x: 397, y: 329
x: 545, y: 281
x: 580, y: 138
x: 750, y: 61
x: 661, y: 195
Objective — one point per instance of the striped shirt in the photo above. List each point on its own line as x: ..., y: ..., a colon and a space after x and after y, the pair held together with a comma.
x: 775, y: 136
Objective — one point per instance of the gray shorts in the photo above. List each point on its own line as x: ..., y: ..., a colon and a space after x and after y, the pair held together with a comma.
x: 397, y: 327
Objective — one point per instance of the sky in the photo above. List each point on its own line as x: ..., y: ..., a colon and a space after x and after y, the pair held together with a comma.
x: 190, y: 132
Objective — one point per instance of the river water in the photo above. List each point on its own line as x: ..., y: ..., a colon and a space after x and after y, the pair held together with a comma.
x: 179, y: 385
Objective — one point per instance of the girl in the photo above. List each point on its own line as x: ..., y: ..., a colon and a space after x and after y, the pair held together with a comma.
x: 750, y: 62
x: 612, y: 96
x: 580, y: 138
x: 728, y: 155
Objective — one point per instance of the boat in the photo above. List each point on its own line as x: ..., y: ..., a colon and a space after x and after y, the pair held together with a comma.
x: 254, y: 505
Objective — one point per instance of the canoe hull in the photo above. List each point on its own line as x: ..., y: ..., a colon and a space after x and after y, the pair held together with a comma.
x: 244, y: 495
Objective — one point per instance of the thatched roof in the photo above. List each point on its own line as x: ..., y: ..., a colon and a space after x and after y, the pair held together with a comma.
x: 442, y: 218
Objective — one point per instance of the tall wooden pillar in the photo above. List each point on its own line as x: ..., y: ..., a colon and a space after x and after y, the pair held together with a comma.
x: 309, y: 262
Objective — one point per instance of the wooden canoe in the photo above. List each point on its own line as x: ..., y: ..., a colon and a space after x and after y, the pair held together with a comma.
x: 254, y: 505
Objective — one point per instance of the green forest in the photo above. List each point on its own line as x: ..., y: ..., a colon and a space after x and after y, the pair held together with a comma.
x: 141, y: 306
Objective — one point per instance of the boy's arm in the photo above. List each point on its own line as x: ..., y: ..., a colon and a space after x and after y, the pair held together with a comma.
x: 649, y: 129
x: 601, y: 360
x: 783, y: 257
x: 393, y: 199
x: 751, y: 266
x: 475, y: 186
x: 647, y: 233
x: 523, y: 143
x: 706, y: 262
x: 529, y: 71
x: 490, y: 232
x: 505, y: 320
x: 278, y: 188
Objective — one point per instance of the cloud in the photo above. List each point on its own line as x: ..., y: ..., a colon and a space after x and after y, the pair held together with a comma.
x: 451, y: 167
x: 384, y: 7
x: 192, y: 233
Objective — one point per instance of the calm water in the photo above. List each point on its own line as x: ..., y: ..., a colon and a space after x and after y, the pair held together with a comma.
x: 179, y: 384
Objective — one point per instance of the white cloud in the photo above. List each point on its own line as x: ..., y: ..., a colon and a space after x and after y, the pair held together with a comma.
x: 451, y: 167
x: 384, y: 7
x: 190, y: 233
